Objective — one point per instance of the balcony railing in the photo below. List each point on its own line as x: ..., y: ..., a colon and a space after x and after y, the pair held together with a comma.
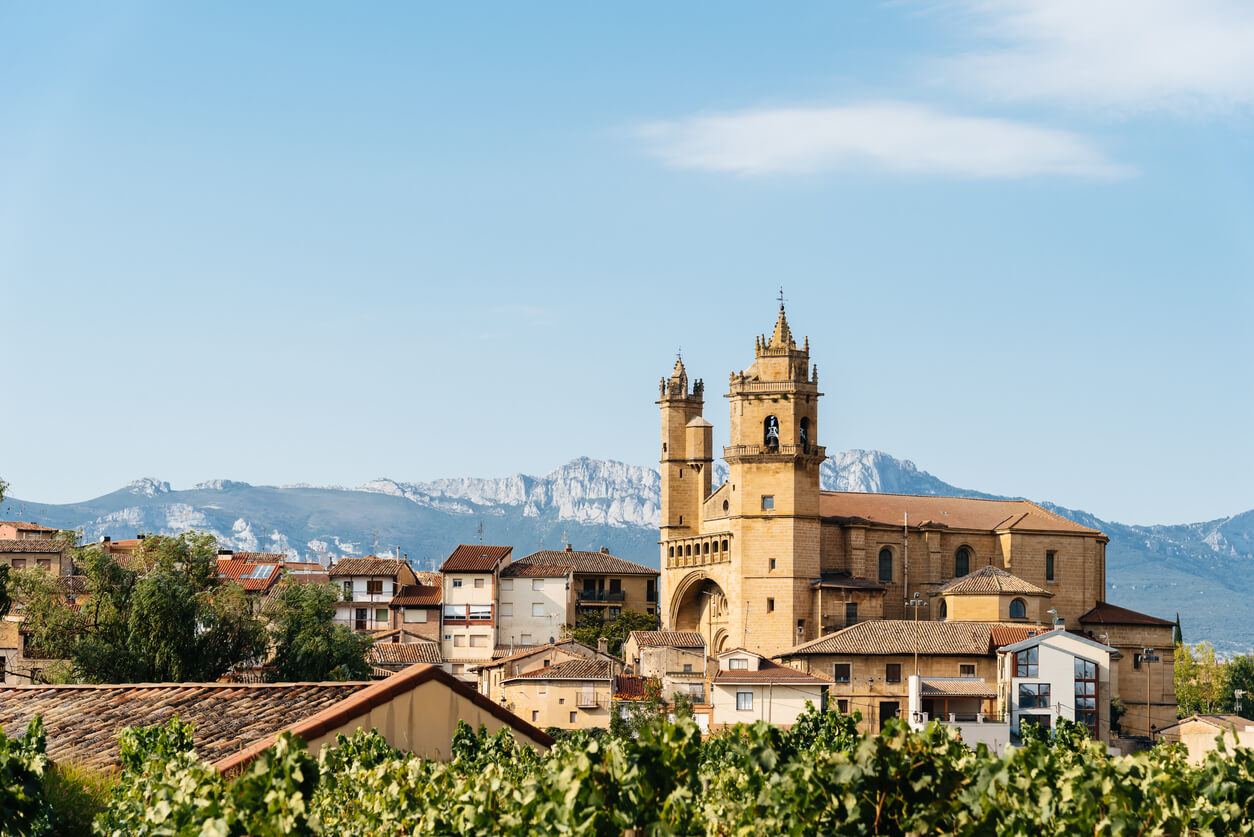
x: 602, y: 596
x: 773, y: 450
x: 587, y: 701
x: 694, y: 675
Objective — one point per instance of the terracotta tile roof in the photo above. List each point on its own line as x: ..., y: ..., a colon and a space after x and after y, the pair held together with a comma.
x: 668, y: 639
x: 73, y: 584
x: 568, y: 670
x: 418, y: 595
x: 522, y: 652
x: 991, y: 579
x: 769, y: 672
x: 83, y: 722
x: 250, y: 576
x: 386, y: 567
x: 502, y: 651
x: 844, y: 581
x: 27, y: 526
x: 428, y: 578
x: 475, y: 558
x: 524, y: 569
x: 630, y: 687
x: 895, y: 637
x: 1217, y: 721
x: 304, y: 567
x: 943, y: 512
x: 32, y: 545
x: 955, y: 687
x: 592, y: 563
x: 404, y: 653
x: 262, y: 557
x: 1104, y: 613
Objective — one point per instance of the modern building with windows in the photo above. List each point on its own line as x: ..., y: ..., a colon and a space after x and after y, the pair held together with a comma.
x: 1058, y: 675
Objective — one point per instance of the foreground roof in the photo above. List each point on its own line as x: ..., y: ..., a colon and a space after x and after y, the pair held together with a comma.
x: 1217, y: 721
x: 885, y: 637
x: 1104, y: 613
x: 83, y: 722
x: 944, y: 513
x: 369, y: 565
x: 595, y: 563
x: 668, y: 639
x: 475, y: 558
x: 568, y: 670
x: 991, y: 579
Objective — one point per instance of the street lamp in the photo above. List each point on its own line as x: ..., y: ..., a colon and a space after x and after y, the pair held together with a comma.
x: 916, y: 603
x: 1148, y: 656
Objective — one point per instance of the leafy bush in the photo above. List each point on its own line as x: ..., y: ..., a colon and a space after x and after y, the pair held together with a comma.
x: 24, y: 810
x: 77, y: 794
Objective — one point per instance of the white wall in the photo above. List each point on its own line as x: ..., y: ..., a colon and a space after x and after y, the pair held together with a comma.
x: 519, y: 598
x: 460, y: 642
x: 778, y: 704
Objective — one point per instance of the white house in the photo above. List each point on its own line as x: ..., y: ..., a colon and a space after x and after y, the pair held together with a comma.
x: 367, y: 587
x: 469, y: 622
x: 536, y: 601
x: 748, y: 688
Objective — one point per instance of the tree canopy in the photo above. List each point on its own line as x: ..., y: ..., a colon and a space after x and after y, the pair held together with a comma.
x: 590, y: 627
x: 308, y: 645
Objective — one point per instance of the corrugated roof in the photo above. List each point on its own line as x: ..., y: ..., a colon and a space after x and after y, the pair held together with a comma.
x: 31, y: 545
x: 1104, y: 613
x: 386, y: 567
x: 592, y: 563
x: 668, y: 639
x: 955, y: 687
x: 991, y: 579
x: 418, y: 595
x: 475, y: 558
x: 903, y: 636
x: 944, y: 512
x: 404, y: 653
x: 569, y: 670
x: 83, y: 722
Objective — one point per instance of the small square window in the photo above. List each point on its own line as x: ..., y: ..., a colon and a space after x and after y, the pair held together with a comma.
x: 535, y: 716
x: 744, y: 701
x: 374, y: 587
x: 459, y: 641
x: 772, y: 563
x: 966, y: 670
x: 537, y: 609
x: 770, y: 605
x: 507, y: 608
x: 738, y: 664
x: 381, y: 614
x: 842, y: 705
x: 507, y: 584
x: 687, y: 668
x: 892, y: 673
x: 768, y: 502
x: 842, y: 672
x: 573, y: 715
x: 457, y: 582
x: 479, y: 583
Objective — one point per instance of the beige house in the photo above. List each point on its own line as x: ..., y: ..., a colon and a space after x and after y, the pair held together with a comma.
x: 470, y: 577
x: 749, y: 688
x: 32, y: 553
x: 1198, y: 733
x: 677, y: 659
x: 536, y: 602
x: 575, y: 694
x: 368, y: 586
x: 24, y: 530
x: 990, y: 594
x: 416, y: 607
x: 491, y: 674
x: 601, y: 582
x: 1144, y: 682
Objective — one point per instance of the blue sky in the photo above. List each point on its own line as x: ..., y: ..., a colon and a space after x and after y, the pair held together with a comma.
x: 326, y: 243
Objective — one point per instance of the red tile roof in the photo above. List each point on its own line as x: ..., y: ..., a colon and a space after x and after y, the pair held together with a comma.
x: 386, y: 567
x: 418, y: 595
x: 34, y: 546
x: 991, y: 579
x: 475, y: 558
x: 955, y: 687
x: 524, y: 569
x: 261, y: 557
x: 944, y: 512
x: 630, y: 687
x: 588, y: 563
x: 250, y: 576
x: 568, y: 670
x: 668, y: 639
x: 27, y: 526
x: 404, y: 653
x: 769, y: 672
x: 896, y: 637
x: 1104, y: 613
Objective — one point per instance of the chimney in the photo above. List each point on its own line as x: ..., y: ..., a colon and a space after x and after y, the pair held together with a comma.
x: 603, y: 646
x: 568, y: 548
x: 105, y: 539
x: 605, y: 550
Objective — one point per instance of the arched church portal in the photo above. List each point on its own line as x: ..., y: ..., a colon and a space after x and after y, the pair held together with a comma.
x: 699, y: 604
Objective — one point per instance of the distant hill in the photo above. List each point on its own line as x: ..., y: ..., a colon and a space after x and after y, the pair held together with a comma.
x: 1202, y: 570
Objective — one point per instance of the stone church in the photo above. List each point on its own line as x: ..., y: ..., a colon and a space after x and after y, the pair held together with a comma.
x: 767, y: 560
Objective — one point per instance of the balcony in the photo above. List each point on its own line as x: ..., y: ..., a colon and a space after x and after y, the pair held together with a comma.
x: 731, y: 452
x: 602, y: 596
x: 588, y: 701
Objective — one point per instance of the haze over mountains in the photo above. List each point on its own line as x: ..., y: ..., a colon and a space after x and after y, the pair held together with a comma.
x: 1201, y: 570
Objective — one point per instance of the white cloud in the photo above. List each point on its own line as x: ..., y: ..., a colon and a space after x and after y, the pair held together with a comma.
x: 1128, y: 54
x: 892, y: 136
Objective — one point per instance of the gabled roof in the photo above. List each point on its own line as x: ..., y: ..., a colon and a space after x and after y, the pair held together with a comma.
x: 944, y: 513
x: 27, y: 526
x: 404, y: 653
x: 370, y: 565
x: 568, y: 670
x: 262, y: 557
x: 769, y: 673
x: 567, y: 645
x: 591, y: 563
x: 1217, y: 721
x: 668, y: 639
x: 955, y: 687
x: 845, y: 581
x: 475, y: 558
x: 1104, y: 613
x: 524, y: 569
x: 990, y: 579
x: 897, y: 637
x: 418, y: 595
x: 31, y: 545
x: 251, y: 576
x: 1056, y: 632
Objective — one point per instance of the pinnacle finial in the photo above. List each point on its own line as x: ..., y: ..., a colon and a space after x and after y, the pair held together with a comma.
x: 782, y: 337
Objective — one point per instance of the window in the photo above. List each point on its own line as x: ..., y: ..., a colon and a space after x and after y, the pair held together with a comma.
x: 738, y: 664
x: 507, y: 608
x: 478, y: 641
x: 842, y: 672
x: 962, y: 562
x: 44, y: 563
x: 672, y: 552
x: 614, y: 612
x: 842, y: 705
x: 415, y: 614
x: 687, y: 668
x: 454, y: 611
x: 459, y: 641
x: 1018, y: 609
x: 616, y: 584
x: 348, y: 591
x: 966, y: 670
x: 768, y: 502
x: 542, y: 688
x: 716, y: 547
x: 481, y: 612
x: 1049, y: 566
x: 772, y: 563
x: 1033, y: 695
x: 535, y: 716
x: 886, y: 564
x: 546, y: 662
x: 479, y: 583
x: 944, y: 609
x: 507, y: 584
x: 573, y: 716
x: 537, y: 584
x: 851, y: 613
x: 744, y: 701
x: 770, y: 605
x: 892, y: 673
x: 380, y: 614
x: 457, y: 582
x: 1086, y: 694
x: 374, y: 587
x: 1136, y: 660
x: 770, y: 432
x: 19, y: 563
x: 524, y: 639
x: 1026, y: 663
x: 724, y: 544
x: 803, y: 437
x: 537, y: 609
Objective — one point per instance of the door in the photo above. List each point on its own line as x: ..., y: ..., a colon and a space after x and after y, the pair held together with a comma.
x: 888, y: 709
x: 359, y: 623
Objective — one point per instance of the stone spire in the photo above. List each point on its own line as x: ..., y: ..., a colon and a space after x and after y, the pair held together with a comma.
x: 782, y: 338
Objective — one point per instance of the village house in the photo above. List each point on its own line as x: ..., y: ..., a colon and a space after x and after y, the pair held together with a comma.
x: 1146, y: 670
x: 31, y: 553
x: 603, y: 583
x: 575, y: 694
x: 469, y: 624
x: 749, y: 688
x: 368, y: 585
x: 530, y: 659
x: 416, y: 607
x: 1198, y: 734
x: 536, y: 602
x: 677, y: 659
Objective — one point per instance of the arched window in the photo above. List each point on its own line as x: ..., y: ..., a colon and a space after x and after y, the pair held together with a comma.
x: 724, y: 544
x: 962, y: 562
x: 1018, y: 609
x: 886, y: 564
x: 705, y: 549
x: 770, y: 432
x: 688, y: 549
x: 716, y: 547
x: 672, y: 555
x: 944, y: 609
x: 804, y: 436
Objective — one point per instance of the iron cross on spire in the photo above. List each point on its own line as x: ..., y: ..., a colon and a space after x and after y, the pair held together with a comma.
x: 781, y: 296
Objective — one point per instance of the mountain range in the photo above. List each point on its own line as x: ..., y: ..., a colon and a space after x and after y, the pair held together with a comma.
x: 1200, y: 570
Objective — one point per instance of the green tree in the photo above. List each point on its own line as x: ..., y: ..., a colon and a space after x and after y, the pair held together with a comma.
x: 590, y: 627
x: 6, y: 598
x: 306, y: 642
x: 1201, y: 680
x: 1240, y: 675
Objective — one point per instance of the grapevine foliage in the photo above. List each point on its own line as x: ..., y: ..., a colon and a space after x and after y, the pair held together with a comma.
x: 24, y: 812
